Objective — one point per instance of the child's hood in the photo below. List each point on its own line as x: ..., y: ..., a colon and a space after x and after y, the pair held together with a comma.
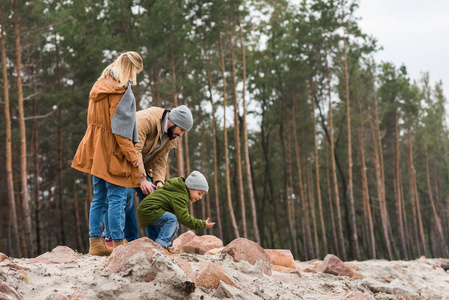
x: 176, y: 185
x: 104, y: 87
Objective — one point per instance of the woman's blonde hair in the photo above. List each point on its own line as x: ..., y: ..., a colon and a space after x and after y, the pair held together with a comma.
x: 124, y: 68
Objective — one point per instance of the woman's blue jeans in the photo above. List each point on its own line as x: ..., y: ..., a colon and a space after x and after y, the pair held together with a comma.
x: 131, y: 230
x: 105, y: 192
x: 164, y: 229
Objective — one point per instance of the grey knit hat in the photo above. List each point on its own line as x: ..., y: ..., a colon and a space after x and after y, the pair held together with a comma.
x: 197, y: 181
x: 181, y: 116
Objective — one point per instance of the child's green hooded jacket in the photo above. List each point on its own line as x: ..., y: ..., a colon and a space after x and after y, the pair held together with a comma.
x: 172, y: 197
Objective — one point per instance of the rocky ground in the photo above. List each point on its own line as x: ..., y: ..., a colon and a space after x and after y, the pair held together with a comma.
x: 201, y: 268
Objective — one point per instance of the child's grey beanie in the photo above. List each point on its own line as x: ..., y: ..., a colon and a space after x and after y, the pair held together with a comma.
x: 181, y: 116
x: 197, y: 181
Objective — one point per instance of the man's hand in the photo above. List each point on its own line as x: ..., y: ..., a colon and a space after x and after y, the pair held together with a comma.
x: 209, y: 224
x: 135, y: 163
x: 146, y: 186
x: 159, y: 184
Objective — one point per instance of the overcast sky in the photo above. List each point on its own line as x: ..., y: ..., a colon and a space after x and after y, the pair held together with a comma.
x: 412, y: 32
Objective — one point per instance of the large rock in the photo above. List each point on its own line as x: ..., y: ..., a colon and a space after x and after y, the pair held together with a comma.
x: 185, y: 266
x: 214, y: 251
x: 281, y: 258
x: 183, y: 239
x: 137, y: 257
x: 210, y: 275
x: 117, y: 261
x: 286, y: 270
x: 7, y: 290
x: 77, y: 295
x: 202, y: 244
x: 3, y: 256
x: 244, y: 249
x: 333, y: 265
x: 59, y: 255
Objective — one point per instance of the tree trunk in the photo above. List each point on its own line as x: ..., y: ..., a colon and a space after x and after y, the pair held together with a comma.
x: 379, y: 175
x: 334, y: 173
x: 331, y: 206
x: 438, y: 226
x: 23, y: 151
x: 77, y: 218
x: 418, y: 243
x: 355, y: 241
x: 249, y: 180
x: 289, y: 190
x: 156, y: 98
x: 48, y: 216
x: 36, y: 178
x: 408, y: 245
x: 205, y: 202
x: 9, y: 171
x: 398, y: 189
x: 309, y: 178
x: 225, y: 133
x: 61, y: 201
x: 367, y: 205
x: 88, y: 198
x: 238, y: 155
x: 317, y: 174
x: 305, y: 226
x: 187, y: 154
x: 214, y: 145
x: 179, y: 151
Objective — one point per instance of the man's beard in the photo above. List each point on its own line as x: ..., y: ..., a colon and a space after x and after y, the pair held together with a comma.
x: 170, y: 132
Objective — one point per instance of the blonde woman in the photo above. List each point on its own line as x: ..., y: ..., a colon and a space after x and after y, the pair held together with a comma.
x: 107, y: 149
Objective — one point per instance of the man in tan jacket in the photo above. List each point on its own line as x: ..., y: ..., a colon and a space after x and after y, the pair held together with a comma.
x: 158, y: 130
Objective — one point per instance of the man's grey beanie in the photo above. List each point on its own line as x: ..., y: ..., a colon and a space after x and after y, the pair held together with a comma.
x: 181, y: 116
x: 197, y: 181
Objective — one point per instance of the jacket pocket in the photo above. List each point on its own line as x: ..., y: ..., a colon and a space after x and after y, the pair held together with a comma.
x: 118, y: 165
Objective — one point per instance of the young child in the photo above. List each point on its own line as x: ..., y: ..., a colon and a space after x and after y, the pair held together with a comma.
x: 163, y: 209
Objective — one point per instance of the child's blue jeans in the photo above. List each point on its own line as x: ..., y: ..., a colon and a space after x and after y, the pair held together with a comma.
x: 116, y: 196
x: 164, y: 229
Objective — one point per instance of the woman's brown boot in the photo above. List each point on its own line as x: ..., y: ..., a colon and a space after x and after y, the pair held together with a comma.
x: 98, y: 247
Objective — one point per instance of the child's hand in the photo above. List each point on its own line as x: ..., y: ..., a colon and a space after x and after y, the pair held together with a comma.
x: 209, y: 224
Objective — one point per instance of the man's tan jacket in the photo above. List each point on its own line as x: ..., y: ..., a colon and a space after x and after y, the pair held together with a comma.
x: 149, y: 128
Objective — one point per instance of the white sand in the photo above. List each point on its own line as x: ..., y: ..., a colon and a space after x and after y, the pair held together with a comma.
x: 381, y: 279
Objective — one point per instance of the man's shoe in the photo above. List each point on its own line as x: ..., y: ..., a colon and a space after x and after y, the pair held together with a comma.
x: 119, y: 243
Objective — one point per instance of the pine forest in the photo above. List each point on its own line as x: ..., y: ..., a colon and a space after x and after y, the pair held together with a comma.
x: 308, y: 143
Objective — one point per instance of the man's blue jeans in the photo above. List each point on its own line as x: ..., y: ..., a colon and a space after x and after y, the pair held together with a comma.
x: 163, y: 231
x: 149, y: 229
x: 131, y: 230
x: 105, y: 192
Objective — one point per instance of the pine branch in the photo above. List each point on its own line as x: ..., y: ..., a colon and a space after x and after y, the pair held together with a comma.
x: 31, y: 96
x: 39, y: 117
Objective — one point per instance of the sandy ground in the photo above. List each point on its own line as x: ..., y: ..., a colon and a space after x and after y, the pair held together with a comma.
x: 379, y: 279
